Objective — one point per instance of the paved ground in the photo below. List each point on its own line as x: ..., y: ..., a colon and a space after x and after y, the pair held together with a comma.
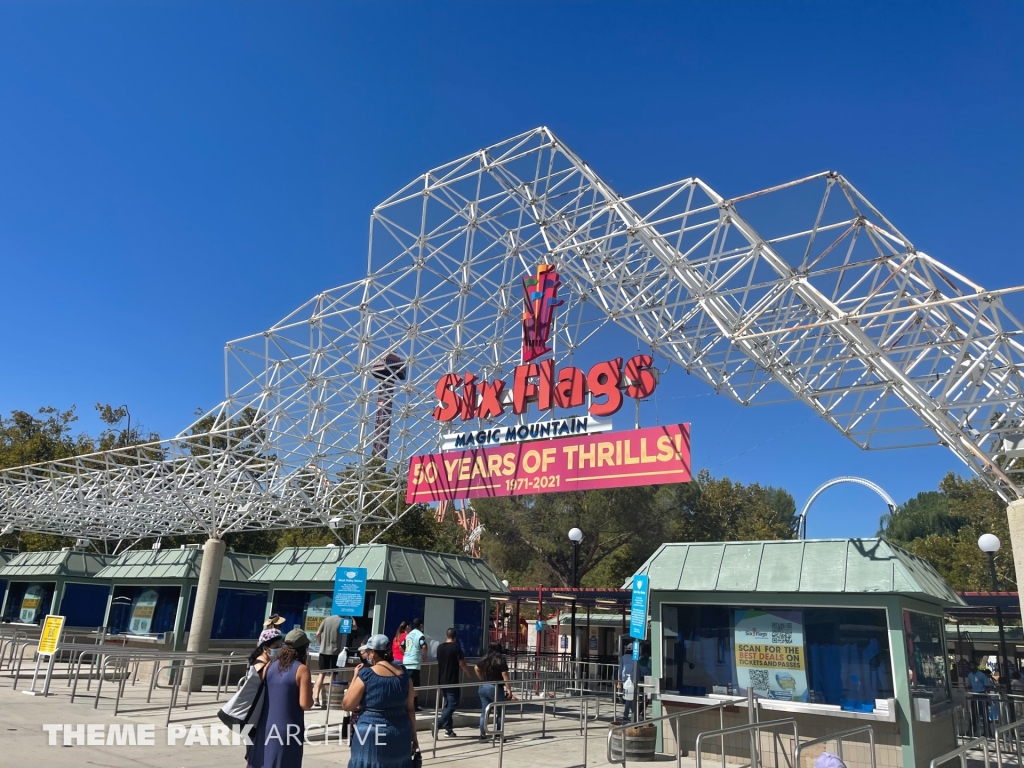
x: 23, y: 741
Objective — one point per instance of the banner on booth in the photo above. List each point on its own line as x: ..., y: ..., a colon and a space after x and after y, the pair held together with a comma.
x: 651, y: 456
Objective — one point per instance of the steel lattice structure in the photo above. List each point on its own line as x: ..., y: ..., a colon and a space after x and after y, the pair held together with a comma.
x: 804, y: 289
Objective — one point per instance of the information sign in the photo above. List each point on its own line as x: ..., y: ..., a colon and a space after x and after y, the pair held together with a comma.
x: 638, y: 607
x: 349, y: 591
x: 49, y: 637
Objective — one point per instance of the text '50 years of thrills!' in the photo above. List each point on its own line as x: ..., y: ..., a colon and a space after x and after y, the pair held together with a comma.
x: 556, y: 454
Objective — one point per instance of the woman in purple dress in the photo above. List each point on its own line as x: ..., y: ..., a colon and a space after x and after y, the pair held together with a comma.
x: 279, y: 734
x: 385, y: 736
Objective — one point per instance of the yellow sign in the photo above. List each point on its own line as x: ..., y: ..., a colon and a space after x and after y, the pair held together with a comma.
x: 50, y: 635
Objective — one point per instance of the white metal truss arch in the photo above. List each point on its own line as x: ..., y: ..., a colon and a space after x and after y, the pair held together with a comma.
x: 802, y: 520
x: 803, y: 290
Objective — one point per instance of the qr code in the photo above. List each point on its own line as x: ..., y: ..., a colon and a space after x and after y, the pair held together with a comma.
x: 759, y: 679
x: 782, y: 632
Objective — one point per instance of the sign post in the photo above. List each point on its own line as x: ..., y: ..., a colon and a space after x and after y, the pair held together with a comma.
x: 49, y: 641
x: 638, y: 607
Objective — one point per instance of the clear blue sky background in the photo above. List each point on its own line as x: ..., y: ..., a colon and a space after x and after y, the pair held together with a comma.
x: 173, y: 175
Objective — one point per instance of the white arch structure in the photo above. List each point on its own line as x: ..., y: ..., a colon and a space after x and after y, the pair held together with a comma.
x: 802, y: 522
x: 804, y: 290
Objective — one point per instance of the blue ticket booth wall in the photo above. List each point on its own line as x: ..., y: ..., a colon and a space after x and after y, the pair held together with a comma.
x: 444, y: 590
x: 64, y: 582
x: 853, y: 630
x: 154, y: 591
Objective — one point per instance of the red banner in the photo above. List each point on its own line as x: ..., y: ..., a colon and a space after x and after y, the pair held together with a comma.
x: 611, y: 460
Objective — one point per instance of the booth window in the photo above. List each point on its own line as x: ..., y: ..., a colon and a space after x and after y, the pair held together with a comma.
x: 926, y: 656
x: 293, y: 604
x: 238, y: 614
x: 141, y: 610
x: 438, y: 614
x: 28, y: 602
x: 84, y: 605
x: 837, y: 656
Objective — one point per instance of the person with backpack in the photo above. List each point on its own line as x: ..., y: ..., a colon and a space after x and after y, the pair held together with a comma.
x: 415, y: 651
x: 279, y: 735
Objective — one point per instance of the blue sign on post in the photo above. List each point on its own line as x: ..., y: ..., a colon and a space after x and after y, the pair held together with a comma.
x: 346, y: 627
x: 540, y: 626
x: 636, y: 651
x: 638, y: 608
x: 349, y: 592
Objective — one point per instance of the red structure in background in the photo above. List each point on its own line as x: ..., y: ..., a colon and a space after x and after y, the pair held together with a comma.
x: 463, y: 514
x: 510, y: 627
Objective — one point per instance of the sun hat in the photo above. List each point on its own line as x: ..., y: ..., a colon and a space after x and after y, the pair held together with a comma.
x: 274, y: 621
x: 828, y: 760
x: 296, y: 639
x: 376, y: 643
x: 269, y: 635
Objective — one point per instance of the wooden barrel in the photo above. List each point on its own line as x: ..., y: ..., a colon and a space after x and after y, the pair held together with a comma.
x: 640, y: 742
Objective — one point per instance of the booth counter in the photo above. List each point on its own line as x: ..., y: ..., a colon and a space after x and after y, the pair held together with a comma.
x: 65, y: 582
x: 154, y: 594
x: 402, y: 584
x: 833, y: 632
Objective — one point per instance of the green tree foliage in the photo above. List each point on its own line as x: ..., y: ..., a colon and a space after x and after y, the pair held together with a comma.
x: 943, y: 527
x: 526, y: 537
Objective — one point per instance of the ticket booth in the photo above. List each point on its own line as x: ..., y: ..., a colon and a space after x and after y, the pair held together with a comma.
x: 65, y: 582
x: 154, y: 593
x: 6, y: 555
x: 835, y: 633
x: 444, y: 590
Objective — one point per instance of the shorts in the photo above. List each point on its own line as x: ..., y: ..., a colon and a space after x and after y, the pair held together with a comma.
x: 328, y: 661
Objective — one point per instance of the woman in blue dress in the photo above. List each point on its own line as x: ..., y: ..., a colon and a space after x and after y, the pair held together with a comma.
x: 278, y: 737
x: 385, y: 735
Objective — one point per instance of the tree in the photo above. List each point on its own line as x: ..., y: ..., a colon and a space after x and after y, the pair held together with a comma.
x: 943, y: 528
x: 526, y: 537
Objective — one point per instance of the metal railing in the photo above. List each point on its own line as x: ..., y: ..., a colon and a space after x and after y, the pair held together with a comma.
x: 961, y: 752
x: 838, y: 739
x: 620, y: 729
x: 754, y: 729
x: 499, y: 732
x: 1013, y: 731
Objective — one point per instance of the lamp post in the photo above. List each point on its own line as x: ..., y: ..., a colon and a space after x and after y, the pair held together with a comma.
x: 989, y: 544
x: 575, y: 536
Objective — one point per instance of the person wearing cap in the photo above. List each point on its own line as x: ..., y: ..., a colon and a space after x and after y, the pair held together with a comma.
x: 274, y: 622
x: 829, y: 760
x: 279, y: 735
x: 977, y: 683
x: 385, y: 736
x: 627, y: 669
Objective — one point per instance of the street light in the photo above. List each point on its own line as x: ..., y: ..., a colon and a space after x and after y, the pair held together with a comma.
x: 575, y: 536
x: 989, y: 544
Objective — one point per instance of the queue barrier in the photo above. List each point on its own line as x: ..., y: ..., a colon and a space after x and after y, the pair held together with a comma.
x: 673, y: 718
x: 754, y: 730
x: 961, y: 753
x: 838, y: 738
x: 499, y: 733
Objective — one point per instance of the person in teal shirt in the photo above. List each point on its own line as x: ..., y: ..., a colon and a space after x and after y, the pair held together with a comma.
x: 415, y: 651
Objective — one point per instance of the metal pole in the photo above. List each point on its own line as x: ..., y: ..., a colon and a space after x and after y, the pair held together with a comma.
x: 575, y: 584
x: 1004, y: 666
x: 540, y: 633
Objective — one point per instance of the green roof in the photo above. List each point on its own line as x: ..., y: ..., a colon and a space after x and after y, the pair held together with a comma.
x: 6, y: 555
x: 66, y: 563
x: 177, y: 564
x: 851, y: 566
x: 383, y: 562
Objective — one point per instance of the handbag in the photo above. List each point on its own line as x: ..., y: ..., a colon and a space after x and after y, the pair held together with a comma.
x: 417, y: 759
x: 247, y: 703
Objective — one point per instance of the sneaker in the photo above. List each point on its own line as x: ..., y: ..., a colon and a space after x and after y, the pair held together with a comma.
x: 450, y: 735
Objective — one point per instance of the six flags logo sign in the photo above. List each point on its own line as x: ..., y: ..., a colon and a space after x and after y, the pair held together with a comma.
x: 537, y: 382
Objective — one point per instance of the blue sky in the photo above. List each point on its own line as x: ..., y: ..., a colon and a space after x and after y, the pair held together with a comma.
x: 173, y: 175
